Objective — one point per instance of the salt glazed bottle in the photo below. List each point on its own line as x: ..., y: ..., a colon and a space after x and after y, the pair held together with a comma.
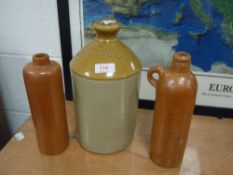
x: 43, y: 82
x: 105, y: 78
x: 175, y: 99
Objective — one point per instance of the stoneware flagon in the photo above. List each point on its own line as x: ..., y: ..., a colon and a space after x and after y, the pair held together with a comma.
x: 175, y: 99
x: 105, y: 78
x: 43, y: 82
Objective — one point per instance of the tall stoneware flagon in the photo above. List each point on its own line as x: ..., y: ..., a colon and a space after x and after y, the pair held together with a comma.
x: 43, y: 82
x: 175, y: 99
x: 105, y: 78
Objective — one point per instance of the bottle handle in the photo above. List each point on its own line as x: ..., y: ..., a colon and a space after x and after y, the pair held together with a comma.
x: 154, y: 69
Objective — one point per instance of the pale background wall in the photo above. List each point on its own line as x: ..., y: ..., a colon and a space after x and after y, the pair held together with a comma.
x: 27, y: 27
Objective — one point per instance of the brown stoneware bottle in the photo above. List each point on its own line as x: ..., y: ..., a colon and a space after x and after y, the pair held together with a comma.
x: 43, y: 82
x: 175, y: 99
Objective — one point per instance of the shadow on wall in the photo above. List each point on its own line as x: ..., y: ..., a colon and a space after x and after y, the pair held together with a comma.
x: 5, y: 133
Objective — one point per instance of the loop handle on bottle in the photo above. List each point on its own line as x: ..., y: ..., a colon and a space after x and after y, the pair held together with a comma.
x: 154, y: 69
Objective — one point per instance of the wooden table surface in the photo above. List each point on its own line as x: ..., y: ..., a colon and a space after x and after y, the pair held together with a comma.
x: 209, y: 152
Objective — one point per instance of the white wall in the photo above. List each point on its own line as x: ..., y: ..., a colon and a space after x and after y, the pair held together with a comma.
x: 75, y: 8
x: 26, y: 27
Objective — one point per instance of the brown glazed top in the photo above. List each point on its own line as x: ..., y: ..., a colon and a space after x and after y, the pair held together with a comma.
x: 181, y: 62
x: 41, y: 65
x: 40, y: 59
x: 106, y: 49
x: 179, y: 70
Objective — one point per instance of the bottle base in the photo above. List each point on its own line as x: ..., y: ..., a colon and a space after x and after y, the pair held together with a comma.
x: 54, y: 152
x: 165, y: 164
x: 104, y: 152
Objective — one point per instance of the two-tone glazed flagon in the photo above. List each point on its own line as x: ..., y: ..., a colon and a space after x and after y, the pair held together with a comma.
x: 105, y: 77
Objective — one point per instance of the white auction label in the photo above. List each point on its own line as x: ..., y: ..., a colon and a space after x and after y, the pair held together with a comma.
x: 105, y: 68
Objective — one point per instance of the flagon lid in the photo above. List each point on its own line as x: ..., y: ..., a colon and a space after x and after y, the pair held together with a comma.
x: 105, y: 57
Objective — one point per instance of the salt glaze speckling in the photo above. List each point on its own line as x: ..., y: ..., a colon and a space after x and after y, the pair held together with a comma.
x: 175, y: 99
x: 105, y: 78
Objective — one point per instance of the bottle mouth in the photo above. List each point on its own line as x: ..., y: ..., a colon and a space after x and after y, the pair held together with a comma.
x: 40, y: 59
x: 182, y: 57
x: 181, y: 62
x: 107, y: 25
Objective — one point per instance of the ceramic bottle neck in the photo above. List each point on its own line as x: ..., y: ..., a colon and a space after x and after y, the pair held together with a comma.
x: 181, y: 63
x: 40, y: 59
x: 180, y: 68
x: 106, y: 30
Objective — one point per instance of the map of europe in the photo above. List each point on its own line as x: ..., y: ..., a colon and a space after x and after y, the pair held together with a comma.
x: 155, y: 29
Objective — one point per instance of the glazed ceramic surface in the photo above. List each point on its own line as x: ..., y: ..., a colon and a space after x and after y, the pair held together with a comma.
x: 107, y: 112
x: 105, y: 50
x: 105, y: 76
x: 43, y: 82
x: 175, y: 99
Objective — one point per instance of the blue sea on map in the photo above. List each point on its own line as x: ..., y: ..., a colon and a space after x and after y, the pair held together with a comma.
x: 205, y: 42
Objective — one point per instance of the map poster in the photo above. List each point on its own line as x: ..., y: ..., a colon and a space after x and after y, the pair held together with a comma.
x: 155, y: 29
